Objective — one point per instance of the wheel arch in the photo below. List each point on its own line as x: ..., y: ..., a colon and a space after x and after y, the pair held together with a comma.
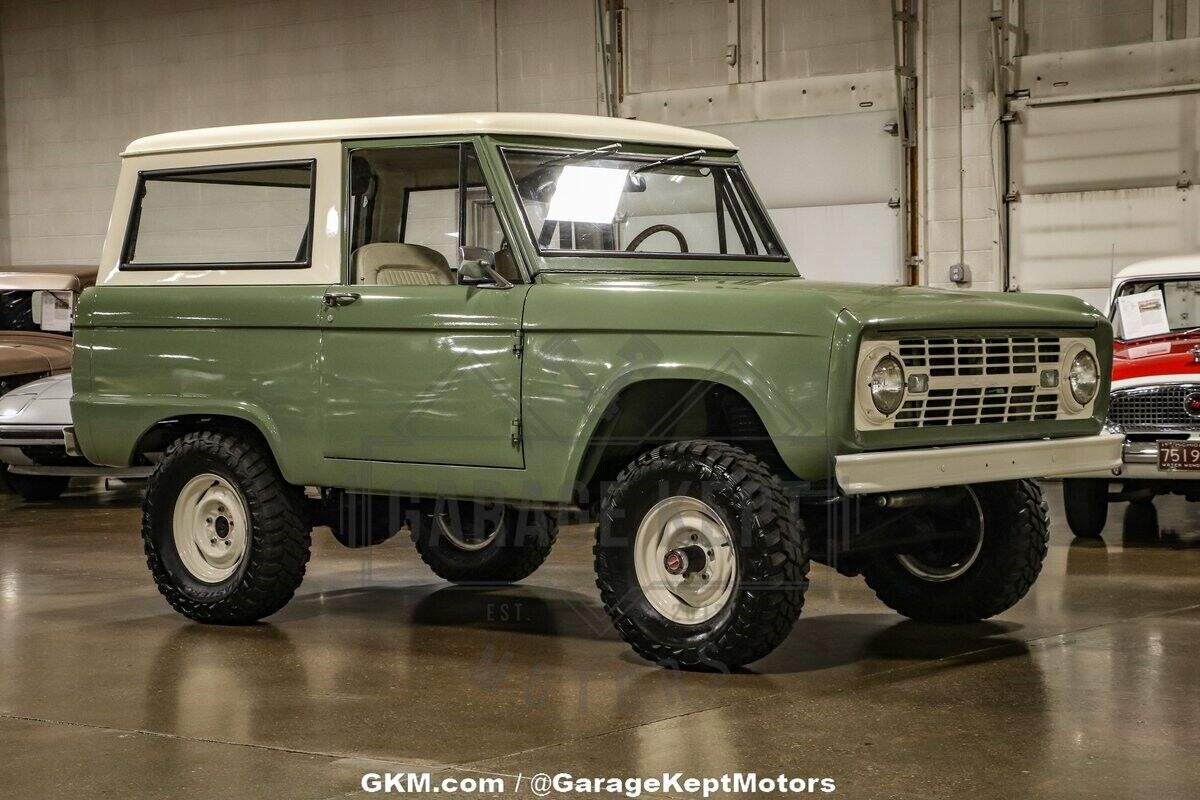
x: 651, y: 410
x: 156, y: 436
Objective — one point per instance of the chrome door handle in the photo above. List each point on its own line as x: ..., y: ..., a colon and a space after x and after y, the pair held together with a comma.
x: 333, y: 299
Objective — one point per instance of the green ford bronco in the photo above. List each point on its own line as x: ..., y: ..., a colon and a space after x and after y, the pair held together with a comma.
x: 476, y: 325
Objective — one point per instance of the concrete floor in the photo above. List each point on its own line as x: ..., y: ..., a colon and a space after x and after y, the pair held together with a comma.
x: 1087, y: 688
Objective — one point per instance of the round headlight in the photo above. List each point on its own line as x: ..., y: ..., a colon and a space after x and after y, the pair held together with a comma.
x: 887, y: 385
x: 1083, y: 377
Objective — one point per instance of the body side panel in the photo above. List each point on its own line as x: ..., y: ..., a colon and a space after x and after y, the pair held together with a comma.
x: 153, y: 353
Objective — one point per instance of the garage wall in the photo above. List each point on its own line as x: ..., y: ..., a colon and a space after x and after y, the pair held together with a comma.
x: 1070, y: 173
x: 827, y: 182
x: 1054, y: 26
x: 82, y: 78
x: 675, y: 44
x: 808, y: 99
x: 1103, y: 185
x: 678, y: 44
x: 960, y: 210
x: 1104, y: 150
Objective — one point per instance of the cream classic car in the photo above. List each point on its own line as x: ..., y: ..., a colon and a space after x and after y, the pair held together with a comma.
x: 37, y: 305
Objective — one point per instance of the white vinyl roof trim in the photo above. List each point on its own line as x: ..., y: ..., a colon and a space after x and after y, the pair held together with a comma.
x: 29, y: 279
x: 569, y: 126
x: 1170, y: 266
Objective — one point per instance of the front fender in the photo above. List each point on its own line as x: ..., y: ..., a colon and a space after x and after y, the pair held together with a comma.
x: 572, y: 381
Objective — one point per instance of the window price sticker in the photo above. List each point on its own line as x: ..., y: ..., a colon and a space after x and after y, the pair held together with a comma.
x: 57, y: 311
x: 1143, y: 314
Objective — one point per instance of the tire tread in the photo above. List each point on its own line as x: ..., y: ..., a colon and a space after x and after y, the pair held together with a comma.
x: 281, y: 541
x: 1015, y: 566
x: 768, y: 608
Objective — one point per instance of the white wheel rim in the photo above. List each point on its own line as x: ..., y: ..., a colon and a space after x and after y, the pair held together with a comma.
x: 681, y: 524
x: 938, y: 573
x: 447, y: 529
x: 211, y: 528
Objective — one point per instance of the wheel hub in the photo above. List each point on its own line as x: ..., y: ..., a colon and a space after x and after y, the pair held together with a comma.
x: 211, y: 528
x: 685, y: 560
x: 470, y: 527
x: 945, y: 561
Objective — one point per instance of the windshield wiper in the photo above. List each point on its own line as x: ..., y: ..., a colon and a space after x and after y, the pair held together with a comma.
x: 682, y: 158
x: 583, y: 155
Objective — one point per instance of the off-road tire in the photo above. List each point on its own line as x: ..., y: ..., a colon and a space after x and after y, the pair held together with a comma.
x: 36, y: 488
x: 279, y: 541
x: 772, y: 563
x: 1015, y: 539
x: 517, y: 551
x: 1085, y: 501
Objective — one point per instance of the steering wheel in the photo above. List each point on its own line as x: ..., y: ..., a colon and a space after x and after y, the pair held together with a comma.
x: 653, y: 229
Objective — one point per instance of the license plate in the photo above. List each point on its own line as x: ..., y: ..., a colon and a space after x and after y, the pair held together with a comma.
x: 1179, y: 455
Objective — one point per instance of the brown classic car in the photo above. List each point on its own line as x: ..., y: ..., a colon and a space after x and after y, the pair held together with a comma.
x: 36, y: 305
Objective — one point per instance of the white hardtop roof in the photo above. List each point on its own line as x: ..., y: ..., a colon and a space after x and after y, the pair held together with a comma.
x: 1161, y: 268
x: 570, y: 126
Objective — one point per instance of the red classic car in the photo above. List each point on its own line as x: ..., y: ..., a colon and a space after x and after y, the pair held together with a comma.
x: 1155, y: 309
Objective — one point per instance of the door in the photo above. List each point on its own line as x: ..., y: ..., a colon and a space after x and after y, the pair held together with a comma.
x: 415, y: 367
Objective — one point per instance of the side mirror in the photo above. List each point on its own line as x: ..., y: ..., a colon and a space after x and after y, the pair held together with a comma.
x: 476, y: 267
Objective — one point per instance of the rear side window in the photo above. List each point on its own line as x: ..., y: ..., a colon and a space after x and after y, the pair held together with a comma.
x: 255, y: 215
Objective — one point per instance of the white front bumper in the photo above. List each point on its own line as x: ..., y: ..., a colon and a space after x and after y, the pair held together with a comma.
x: 898, y: 470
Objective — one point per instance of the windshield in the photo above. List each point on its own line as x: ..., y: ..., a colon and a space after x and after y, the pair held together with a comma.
x: 599, y: 202
x: 1138, y: 312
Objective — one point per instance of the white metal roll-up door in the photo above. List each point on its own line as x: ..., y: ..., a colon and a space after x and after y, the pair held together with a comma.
x: 827, y: 182
x: 1101, y: 185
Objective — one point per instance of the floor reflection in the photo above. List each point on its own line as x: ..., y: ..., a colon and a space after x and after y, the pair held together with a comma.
x: 1086, y: 684
x: 1141, y: 526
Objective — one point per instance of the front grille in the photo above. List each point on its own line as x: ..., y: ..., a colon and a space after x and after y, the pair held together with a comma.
x: 1003, y: 355
x: 1154, y: 408
x: 979, y: 380
x: 978, y: 406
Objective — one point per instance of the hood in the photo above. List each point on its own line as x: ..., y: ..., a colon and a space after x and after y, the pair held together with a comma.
x: 1158, y: 357
x: 748, y: 304
x: 22, y: 352
x: 891, y: 307
x: 45, y: 401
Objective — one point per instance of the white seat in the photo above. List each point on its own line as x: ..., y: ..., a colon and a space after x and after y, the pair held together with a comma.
x: 398, y: 264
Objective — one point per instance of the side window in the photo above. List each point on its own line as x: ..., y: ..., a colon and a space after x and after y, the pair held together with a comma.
x: 413, y: 207
x: 252, y: 215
